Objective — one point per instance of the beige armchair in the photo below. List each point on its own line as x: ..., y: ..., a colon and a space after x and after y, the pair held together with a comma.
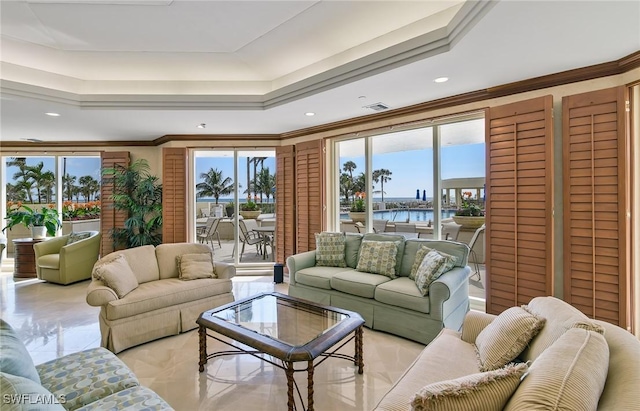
x: 62, y: 263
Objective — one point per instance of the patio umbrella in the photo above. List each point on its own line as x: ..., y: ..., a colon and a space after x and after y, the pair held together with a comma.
x: 418, y: 194
x: 424, y: 195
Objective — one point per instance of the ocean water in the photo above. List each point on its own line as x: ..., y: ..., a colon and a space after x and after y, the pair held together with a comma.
x: 402, y: 215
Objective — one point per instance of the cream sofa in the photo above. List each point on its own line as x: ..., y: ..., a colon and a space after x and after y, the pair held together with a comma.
x: 93, y: 379
x: 391, y: 305
x: 566, y: 368
x: 162, y: 304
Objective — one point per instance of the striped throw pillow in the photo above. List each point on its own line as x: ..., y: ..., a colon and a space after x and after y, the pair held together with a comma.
x: 506, y: 337
x: 479, y: 392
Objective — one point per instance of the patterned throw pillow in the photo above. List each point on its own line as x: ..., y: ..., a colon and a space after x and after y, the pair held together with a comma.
x: 330, y: 249
x: 75, y: 237
x: 506, y: 337
x: 420, y: 255
x: 479, y: 392
x: 194, y: 266
x: 378, y: 257
x: 434, y: 264
x: 117, y: 275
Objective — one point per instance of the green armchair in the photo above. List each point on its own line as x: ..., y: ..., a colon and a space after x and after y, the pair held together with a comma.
x: 62, y: 263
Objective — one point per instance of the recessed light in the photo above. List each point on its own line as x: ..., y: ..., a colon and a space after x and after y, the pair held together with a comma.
x: 309, y: 114
x: 201, y: 125
x: 53, y: 114
x: 441, y: 79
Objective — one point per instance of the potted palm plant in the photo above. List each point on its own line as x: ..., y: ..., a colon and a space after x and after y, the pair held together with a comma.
x: 42, y: 223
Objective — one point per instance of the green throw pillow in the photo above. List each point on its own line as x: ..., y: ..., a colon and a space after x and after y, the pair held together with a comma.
x: 435, y: 264
x: 378, y: 257
x: 330, y: 249
x: 420, y: 255
x: 75, y: 237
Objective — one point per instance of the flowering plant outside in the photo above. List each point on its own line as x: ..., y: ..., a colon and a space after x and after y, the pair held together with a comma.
x: 80, y: 211
x: 359, y: 203
x: 468, y: 208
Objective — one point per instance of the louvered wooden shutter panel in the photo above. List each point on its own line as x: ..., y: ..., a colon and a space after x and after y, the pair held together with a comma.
x: 285, y: 203
x: 596, y: 196
x: 110, y: 217
x: 309, y: 194
x: 174, y: 195
x: 519, y: 203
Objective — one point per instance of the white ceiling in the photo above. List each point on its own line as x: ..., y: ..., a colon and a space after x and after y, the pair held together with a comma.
x: 137, y: 70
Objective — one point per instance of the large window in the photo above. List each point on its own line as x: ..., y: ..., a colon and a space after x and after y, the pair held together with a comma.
x: 236, y: 188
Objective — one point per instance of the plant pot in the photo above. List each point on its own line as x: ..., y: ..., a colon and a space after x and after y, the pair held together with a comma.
x: 469, y: 221
x: 250, y: 214
x: 38, y: 232
x: 358, y: 216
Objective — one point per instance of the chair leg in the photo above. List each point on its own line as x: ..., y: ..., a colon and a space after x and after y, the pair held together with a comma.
x: 476, y: 266
x: 218, y: 237
x: 242, y: 252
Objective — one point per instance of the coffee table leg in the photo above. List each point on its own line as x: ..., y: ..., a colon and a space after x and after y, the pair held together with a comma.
x: 310, y: 386
x: 359, y: 360
x: 289, y: 372
x: 202, y: 334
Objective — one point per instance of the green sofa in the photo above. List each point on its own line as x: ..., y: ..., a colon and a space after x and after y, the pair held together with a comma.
x: 391, y: 305
x: 93, y: 379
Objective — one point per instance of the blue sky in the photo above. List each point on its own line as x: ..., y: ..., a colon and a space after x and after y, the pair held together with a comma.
x: 76, y: 166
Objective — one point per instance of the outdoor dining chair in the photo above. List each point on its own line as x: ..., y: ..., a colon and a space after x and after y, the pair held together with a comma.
x: 450, y: 231
x: 247, y: 236
x: 473, y: 253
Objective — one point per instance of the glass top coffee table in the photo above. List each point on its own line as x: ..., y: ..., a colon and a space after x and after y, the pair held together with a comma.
x: 286, y: 328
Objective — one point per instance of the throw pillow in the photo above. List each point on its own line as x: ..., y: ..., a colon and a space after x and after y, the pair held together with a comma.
x: 330, y: 249
x: 378, y: 257
x: 194, y: 266
x: 569, y: 375
x: 506, y: 337
x: 117, y: 275
x: 482, y: 391
x: 15, y: 358
x: 75, y: 237
x: 26, y: 395
x: 434, y: 264
x: 420, y: 255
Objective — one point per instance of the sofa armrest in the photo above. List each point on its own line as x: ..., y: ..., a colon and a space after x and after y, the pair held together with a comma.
x: 299, y: 262
x: 99, y: 294
x: 474, y: 323
x: 224, y: 270
x: 51, y: 246
x: 444, y: 287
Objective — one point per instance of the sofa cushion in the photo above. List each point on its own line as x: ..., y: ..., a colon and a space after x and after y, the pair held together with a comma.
x: 434, y: 264
x: 378, y: 257
x: 166, y: 256
x: 357, y: 283
x: 318, y: 277
x: 75, y: 237
x: 352, y: 249
x: 134, y: 398
x: 142, y: 261
x: 330, y: 249
x: 398, y: 239
x: 402, y: 292
x: 506, y: 336
x: 165, y: 293
x: 459, y: 250
x: 117, y: 275
x: 420, y: 255
x: 194, y: 266
x: 560, y: 317
x: 479, y: 392
x: 569, y: 375
x: 49, y: 261
x: 86, y: 376
x: 14, y: 357
x: 28, y: 395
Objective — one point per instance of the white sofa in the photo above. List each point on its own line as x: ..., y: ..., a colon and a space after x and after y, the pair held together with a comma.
x: 162, y: 304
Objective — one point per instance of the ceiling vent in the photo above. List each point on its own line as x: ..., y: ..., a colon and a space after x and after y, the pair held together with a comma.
x: 377, y: 106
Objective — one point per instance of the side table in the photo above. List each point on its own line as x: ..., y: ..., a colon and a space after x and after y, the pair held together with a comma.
x: 24, y: 257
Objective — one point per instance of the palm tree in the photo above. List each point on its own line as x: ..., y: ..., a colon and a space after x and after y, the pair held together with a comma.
x: 21, y: 176
x: 35, y: 174
x: 266, y: 183
x: 214, y: 185
x: 48, y: 182
x: 345, y: 186
x: 67, y: 183
x: 348, y: 167
x: 381, y: 175
x: 87, y: 186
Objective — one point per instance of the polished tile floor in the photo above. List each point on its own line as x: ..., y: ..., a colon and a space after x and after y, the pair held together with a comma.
x: 55, y: 320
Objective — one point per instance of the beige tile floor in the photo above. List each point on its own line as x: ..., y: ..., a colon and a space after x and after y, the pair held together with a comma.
x: 55, y: 320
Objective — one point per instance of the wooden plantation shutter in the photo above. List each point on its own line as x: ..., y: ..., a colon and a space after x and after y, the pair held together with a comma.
x: 110, y: 218
x: 174, y: 195
x: 285, y: 203
x: 519, y: 193
x: 309, y: 193
x: 596, y: 202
